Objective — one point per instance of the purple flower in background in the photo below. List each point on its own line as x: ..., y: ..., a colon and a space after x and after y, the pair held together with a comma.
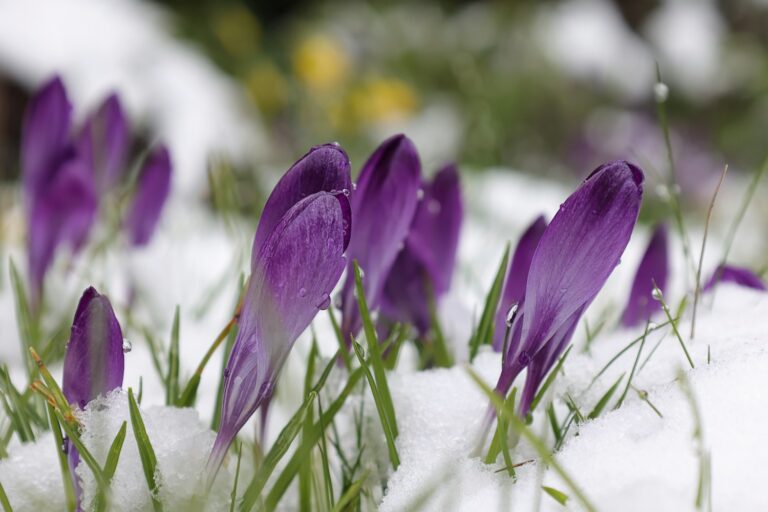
x: 383, y: 206
x: 429, y: 254
x: 58, y: 187
x: 94, y: 360
x: 298, y: 261
x: 654, y: 267
x: 576, y: 254
x: 731, y: 274
x: 517, y: 276
x: 105, y: 140
x: 152, y: 188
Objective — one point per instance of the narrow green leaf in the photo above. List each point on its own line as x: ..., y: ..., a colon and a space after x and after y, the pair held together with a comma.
x: 292, y: 467
x: 658, y: 295
x: 146, y: 452
x: 110, y: 466
x: 380, y: 408
x: 600, y: 405
x: 15, y: 407
x: 326, y: 466
x: 634, y: 367
x: 558, y: 496
x: 25, y: 319
x: 66, y: 476
x: 340, y: 338
x: 443, y: 357
x: 85, y: 454
x: 172, y: 378
x: 550, y: 379
x: 352, y: 493
x: 374, y: 350
x: 484, y: 330
x: 233, y: 494
x: 4, y: 500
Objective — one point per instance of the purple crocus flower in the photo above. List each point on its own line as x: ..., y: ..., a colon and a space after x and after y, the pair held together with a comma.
x: 105, y: 140
x: 517, y: 276
x: 298, y: 261
x: 654, y: 267
x: 731, y: 274
x: 383, y: 206
x: 576, y: 254
x: 94, y: 360
x: 58, y: 184
x: 152, y: 189
x: 429, y: 254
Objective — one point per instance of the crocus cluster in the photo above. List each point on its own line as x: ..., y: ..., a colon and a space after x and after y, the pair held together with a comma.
x: 66, y: 172
x: 574, y: 257
x: 94, y: 360
x: 653, y: 269
x: 297, y: 260
x: 404, y: 238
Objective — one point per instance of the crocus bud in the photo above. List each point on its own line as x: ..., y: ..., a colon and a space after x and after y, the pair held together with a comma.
x: 297, y: 261
x: 429, y: 254
x: 94, y: 360
x: 731, y: 274
x: 58, y: 184
x: 576, y: 254
x: 517, y: 276
x: 653, y: 268
x: 383, y: 206
x: 152, y: 189
x: 105, y: 140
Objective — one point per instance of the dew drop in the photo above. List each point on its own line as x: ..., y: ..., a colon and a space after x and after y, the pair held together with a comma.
x: 345, y: 191
x: 354, y: 186
x: 303, y: 291
x: 434, y: 206
x: 511, y: 314
x: 652, y: 326
x: 420, y: 194
x: 127, y: 346
x: 337, y: 301
x: 324, y: 302
x: 656, y: 294
x: 660, y: 92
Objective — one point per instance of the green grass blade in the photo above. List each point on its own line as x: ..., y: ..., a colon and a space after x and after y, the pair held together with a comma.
x: 558, y: 496
x: 326, y: 466
x: 658, y: 295
x: 380, y: 408
x: 4, y: 500
x: 146, y: 452
x: 352, y: 493
x: 172, y: 378
x: 340, y: 338
x: 484, y: 330
x: 66, y: 476
x: 374, y: 351
x: 110, y: 466
x: 550, y: 379
x: 600, y: 405
x: 233, y: 494
x: 15, y: 407
x: 318, y: 430
x: 28, y: 331
x: 634, y: 368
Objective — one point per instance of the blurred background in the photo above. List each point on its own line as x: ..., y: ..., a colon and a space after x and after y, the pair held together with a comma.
x: 240, y: 89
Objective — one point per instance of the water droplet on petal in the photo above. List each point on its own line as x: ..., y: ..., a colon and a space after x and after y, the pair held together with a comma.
x: 127, y: 346
x: 354, y: 186
x: 511, y: 314
x: 420, y: 194
x: 324, y: 302
x: 337, y: 301
x: 345, y: 191
x: 302, y: 293
x: 434, y: 206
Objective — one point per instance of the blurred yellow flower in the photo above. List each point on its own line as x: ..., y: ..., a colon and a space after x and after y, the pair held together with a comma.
x: 321, y: 62
x: 237, y: 29
x: 383, y: 100
x: 266, y: 87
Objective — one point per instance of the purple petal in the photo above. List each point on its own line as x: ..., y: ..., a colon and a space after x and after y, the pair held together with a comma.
x: 45, y: 136
x: 94, y: 360
x: 517, y: 276
x: 654, y: 267
x: 383, y: 207
x: 429, y: 253
x: 152, y: 189
x: 62, y: 213
x: 731, y: 274
x: 324, y: 168
x: 575, y: 256
x: 297, y: 268
x: 105, y: 140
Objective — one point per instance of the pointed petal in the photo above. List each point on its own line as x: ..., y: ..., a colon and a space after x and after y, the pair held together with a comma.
x: 383, y: 207
x: 731, y: 274
x: 94, y: 360
x: 517, y: 276
x: 105, y: 140
x: 654, y: 267
x: 152, y: 189
x: 324, y: 168
x: 429, y: 253
x: 45, y: 136
x: 297, y: 268
x: 62, y: 214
